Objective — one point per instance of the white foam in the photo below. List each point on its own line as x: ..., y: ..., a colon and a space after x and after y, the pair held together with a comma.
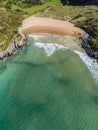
x: 50, y: 48
x: 92, y: 64
x: 36, y: 37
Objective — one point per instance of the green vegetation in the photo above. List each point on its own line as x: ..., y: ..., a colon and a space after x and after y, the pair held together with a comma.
x: 12, y: 12
x: 9, y: 23
x: 85, y: 17
x: 29, y: 6
x: 33, y: 9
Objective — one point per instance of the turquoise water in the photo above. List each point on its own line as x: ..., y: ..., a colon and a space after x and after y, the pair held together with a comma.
x: 39, y: 91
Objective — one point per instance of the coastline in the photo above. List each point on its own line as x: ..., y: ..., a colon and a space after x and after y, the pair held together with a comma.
x: 41, y: 25
x: 14, y: 47
x: 46, y: 26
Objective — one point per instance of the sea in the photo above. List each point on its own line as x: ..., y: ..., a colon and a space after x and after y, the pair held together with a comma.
x: 50, y: 85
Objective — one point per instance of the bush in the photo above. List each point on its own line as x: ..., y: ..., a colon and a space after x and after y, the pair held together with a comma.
x: 8, y: 6
x: 18, y: 10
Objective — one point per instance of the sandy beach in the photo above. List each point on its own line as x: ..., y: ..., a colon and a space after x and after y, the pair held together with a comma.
x: 48, y: 25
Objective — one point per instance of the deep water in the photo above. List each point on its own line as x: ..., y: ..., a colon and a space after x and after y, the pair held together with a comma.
x: 47, y: 91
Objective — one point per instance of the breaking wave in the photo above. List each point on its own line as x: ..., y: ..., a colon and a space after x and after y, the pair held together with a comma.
x: 51, y: 48
x: 91, y: 64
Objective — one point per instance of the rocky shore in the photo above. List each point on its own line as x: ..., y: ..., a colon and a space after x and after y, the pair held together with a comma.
x: 19, y: 45
x: 90, y: 50
x: 13, y: 48
x: 49, y: 25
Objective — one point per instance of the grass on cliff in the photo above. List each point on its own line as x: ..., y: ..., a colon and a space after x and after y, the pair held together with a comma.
x: 11, y: 18
x: 9, y: 23
x: 28, y: 9
x: 85, y: 17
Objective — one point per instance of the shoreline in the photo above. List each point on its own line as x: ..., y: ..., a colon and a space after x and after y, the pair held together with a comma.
x: 14, y: 47
x: 47, y: 26
x: 40, y: 25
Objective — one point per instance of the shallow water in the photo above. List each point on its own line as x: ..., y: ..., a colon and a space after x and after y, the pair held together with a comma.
x: 48, y: 89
